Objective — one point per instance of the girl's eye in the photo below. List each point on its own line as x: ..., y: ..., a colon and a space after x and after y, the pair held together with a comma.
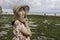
x: 24, y: 17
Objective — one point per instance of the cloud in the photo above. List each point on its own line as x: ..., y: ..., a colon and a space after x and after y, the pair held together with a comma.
x: 35, y: 5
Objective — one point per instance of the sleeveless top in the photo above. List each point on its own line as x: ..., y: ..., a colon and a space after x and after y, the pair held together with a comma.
x: 18, y: 29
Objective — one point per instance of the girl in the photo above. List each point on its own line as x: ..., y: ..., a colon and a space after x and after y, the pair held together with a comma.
x: 20, y: 25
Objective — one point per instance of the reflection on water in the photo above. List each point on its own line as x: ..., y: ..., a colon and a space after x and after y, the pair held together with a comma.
x: 2, y: 33
x: 57, y: 24
x: 4, y: 17
x: 5, y: 37
x: 43, y: 37
x: 31, y: 23
x: 6, y: 26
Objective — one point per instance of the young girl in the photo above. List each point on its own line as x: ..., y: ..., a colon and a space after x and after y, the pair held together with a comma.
x: 20, y: 25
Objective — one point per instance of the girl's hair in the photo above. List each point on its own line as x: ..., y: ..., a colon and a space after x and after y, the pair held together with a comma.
x: 12, y: 23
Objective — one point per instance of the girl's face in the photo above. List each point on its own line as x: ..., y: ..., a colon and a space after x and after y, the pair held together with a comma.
x: 21, y: 13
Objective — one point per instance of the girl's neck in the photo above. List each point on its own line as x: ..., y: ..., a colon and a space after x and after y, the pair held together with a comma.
x: 20, y: 20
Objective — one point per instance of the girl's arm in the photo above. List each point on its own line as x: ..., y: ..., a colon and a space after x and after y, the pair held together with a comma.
x: 15, y: 32
x: 25, y: 31
x: 27, y: 26
x: 15, y: 27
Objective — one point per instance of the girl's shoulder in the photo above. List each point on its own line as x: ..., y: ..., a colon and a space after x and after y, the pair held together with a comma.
x: 15, y: 22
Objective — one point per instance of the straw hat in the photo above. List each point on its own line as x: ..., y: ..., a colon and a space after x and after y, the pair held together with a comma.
x: 18, y: 7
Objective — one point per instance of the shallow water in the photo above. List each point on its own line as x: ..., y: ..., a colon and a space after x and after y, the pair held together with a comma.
x: 42, y: 27
x: 2, y: 33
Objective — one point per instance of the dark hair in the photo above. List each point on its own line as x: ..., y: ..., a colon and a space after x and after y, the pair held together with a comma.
x: 12, y: 23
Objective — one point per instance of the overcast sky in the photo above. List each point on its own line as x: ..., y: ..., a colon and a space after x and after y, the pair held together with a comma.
x: 35, y: 5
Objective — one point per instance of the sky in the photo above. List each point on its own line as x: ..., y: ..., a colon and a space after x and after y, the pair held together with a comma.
x: 35, y: 5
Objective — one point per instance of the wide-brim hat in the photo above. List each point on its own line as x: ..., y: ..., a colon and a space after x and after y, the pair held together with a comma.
x: 18, y: 7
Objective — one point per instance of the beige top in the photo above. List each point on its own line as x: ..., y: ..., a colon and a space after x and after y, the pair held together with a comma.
x: 18, y: 29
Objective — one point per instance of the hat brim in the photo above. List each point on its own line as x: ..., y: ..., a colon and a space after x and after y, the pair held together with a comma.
x: 16, y: 8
